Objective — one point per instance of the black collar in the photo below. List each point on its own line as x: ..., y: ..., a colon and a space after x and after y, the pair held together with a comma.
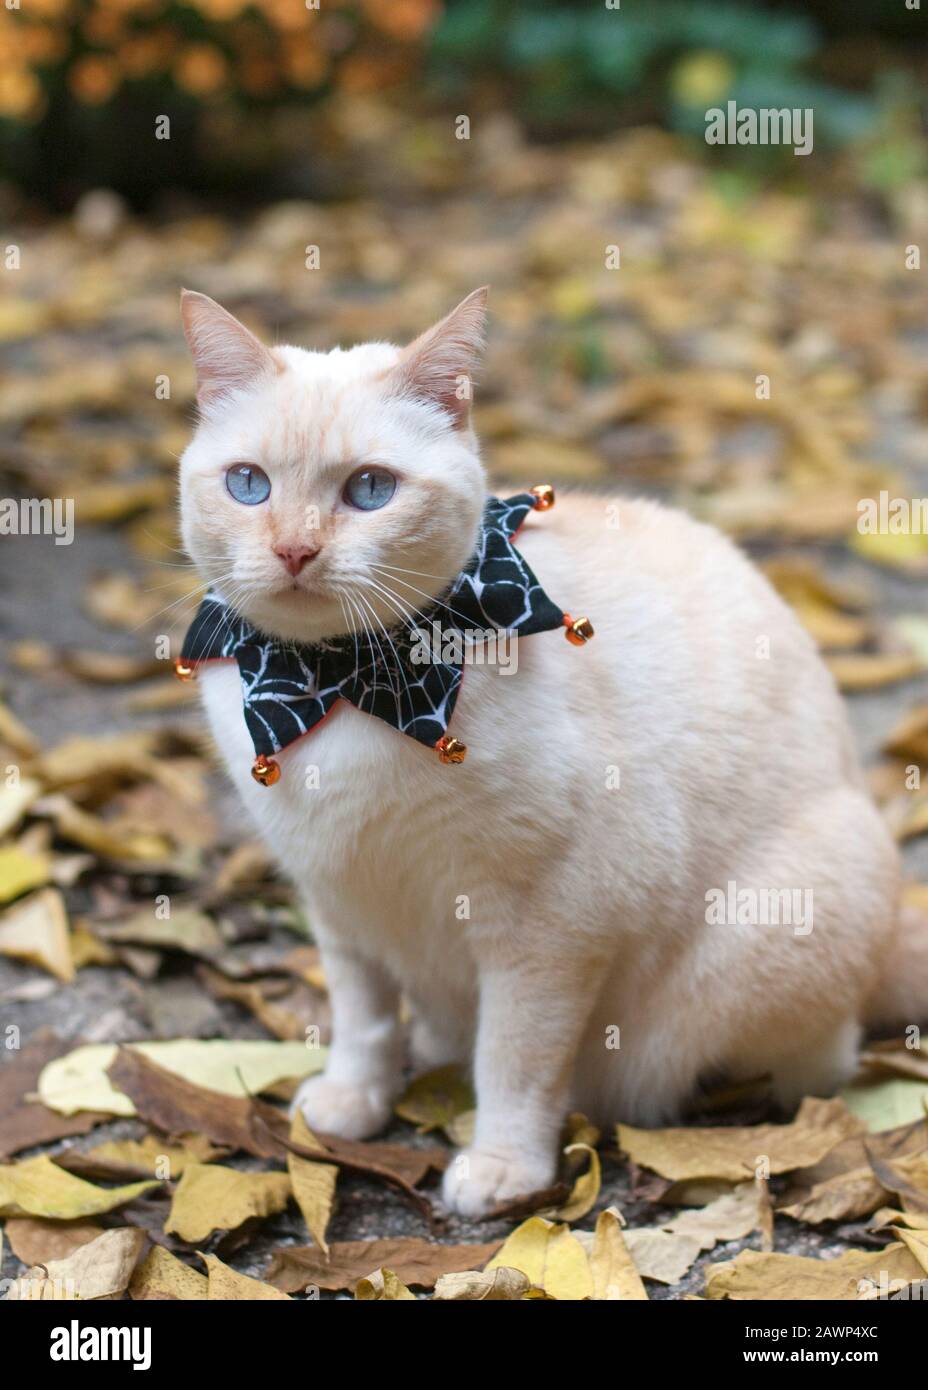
x: 288, y: 689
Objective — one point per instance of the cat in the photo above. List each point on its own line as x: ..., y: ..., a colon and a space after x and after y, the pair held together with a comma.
x: 549, y: 909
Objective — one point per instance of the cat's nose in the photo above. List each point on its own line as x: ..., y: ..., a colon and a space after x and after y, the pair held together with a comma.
x: 296, y: 556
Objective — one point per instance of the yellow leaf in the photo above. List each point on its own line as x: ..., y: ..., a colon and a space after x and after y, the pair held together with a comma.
x: 38, y: 1187
x: 852, y: 1275
x: 586, y: 1187
x: 36, y: 931
x: 866, y: 670
x: 383, y: 1287
x: 313, y: 1183
x: 550, y: 1256
x: 731, y: 1152
x: 15, y: 734
x: 434, y: 1100
x: 900, y: 550
x: 917, y: 1241
x: 210, y: 1198
x: 162, y: 1275
x: 228, y: 1284
x: 20, y: 870
x: 615, y: 1277
x: 79, y: 1080
x: 476, y: 1286
x: 99, y: 1269
x: 15, y: 801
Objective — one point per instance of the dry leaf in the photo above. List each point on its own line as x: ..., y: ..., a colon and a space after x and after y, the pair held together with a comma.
x: 162, y: 1275
x: 38, y: 1187
x: 99, y: 1269
x: 847, y: 1277
x: 550, y: 1256
x: 868, y: 670
x: 313, y: 1183
x: 127, y: 1159
x: 586, y: 1187
x: 25, y: 1124
x: 228, y: 1284
x: 35, y: 1240
x: 434, y: 1100
x: 615, y: 1277
x: 476, y: 1286
x: 415, y: 1262
x: 15, y: 800
x: 36, y: 931
x: 732, y: 1153
x: 20, y: 871
x: 382, y: 1287
x: 210, y: 1198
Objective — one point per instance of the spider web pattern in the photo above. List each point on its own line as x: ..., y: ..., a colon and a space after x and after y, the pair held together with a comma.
x: 288, y: 689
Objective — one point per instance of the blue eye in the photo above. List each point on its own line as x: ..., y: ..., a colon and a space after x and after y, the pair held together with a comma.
x: 369, y: 488
x: 247, y: 483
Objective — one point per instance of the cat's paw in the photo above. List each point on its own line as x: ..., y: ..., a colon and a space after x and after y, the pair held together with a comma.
x: 478, y: 1180
x: 336, y: 1107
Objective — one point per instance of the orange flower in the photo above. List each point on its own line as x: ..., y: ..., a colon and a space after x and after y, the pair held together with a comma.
x: 94, y: 79
x: 201, y: 69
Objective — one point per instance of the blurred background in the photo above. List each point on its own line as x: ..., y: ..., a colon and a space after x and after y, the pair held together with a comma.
x: 350, y: 172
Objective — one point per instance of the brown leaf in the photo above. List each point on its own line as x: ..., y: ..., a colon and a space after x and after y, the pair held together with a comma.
x: 414, y: 1261
x: 848, y: 1276
x: 101, y: 1268
x: 25, y: 1124
x: 36, y: 1240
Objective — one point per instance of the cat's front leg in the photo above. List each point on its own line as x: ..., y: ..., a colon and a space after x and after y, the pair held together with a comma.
x: 354, y: 1096
x: 530, y: 1026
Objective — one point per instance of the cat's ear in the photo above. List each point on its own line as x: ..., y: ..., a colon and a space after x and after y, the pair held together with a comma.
x: 439, y: 365
x: 226, y: 354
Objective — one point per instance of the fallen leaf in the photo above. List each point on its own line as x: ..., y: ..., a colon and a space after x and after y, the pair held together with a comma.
x: 36, y: 931
x: 909, y: 738
x: 917, y: 1242
x: 162, y: 1276
x: 79, y: 1080
x: 550, y: 1256
x: 35, y: 1240
x: 894, y: 1057
x: 211, y: 1198
x: 868, y: 670
x: 128, y: 1159
x: 228, y: 1284
x: 15, y: 734
x: 586, y: 1187
x: 313, y: 1183
x: 732, y: 1152
x: 99, y: 1269
x: 435, y: 1099
x: 476, y: 1286
x: 21, y: 871
x: 382, y: 1287
x: 73, y: 823
x: 25, y: 1124
x: 187, y: 929
x: 15, y: 800
x: 887, y: 1104
x: 615, y: 1277
x: 415, y: 1262
x: 38, y: 1187
x: 847, y: 1277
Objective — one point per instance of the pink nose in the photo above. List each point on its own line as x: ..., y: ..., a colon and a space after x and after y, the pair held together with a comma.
x: 295, y: 557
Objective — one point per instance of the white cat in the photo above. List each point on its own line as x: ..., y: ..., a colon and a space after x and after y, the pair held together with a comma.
x: 549, y: 908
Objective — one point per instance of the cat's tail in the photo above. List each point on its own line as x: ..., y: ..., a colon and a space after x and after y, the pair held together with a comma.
x: 901, y: 993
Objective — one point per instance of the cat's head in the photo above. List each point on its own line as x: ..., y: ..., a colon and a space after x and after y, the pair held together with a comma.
x: 326, y: 492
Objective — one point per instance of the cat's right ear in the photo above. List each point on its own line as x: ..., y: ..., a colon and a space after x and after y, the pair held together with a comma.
x: 227, y: 355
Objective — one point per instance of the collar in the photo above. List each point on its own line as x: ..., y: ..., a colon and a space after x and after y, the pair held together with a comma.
x: 402, y: 677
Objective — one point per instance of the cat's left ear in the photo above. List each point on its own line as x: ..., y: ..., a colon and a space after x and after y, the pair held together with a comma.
x: 439, y: 365
x: 226, y: 354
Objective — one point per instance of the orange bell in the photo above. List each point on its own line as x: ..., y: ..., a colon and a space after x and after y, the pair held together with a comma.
x: 543, y: 494
x: 451, y: 750
x: 579, y: 630
x: 183, y: 671
x: 265, y: 770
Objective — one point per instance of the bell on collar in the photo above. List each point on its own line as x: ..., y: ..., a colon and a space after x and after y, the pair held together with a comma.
x: 451, y: 750
x: 543, y: 494
x: 183, y: 671
x: 579, y: 630
x: 265, y: 770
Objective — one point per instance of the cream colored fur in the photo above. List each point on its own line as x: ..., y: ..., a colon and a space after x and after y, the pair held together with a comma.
x: 587, y: 900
